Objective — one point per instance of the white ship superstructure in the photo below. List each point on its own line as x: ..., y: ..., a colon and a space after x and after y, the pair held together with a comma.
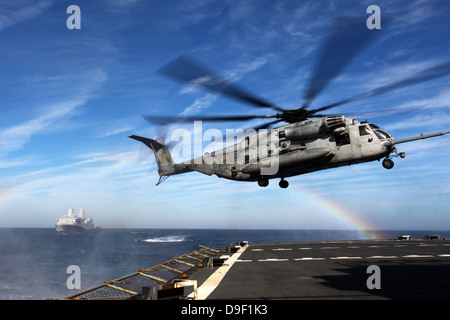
x: 72, y: 224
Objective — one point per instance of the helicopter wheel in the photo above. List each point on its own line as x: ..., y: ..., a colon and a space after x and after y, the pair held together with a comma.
x: 263, y: 182
x: 388, y: 163
x: 284, y: 184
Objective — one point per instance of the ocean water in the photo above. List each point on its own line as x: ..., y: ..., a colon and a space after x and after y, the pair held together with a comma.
x: 34, y: 262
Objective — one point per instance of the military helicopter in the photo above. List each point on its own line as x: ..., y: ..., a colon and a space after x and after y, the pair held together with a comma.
x: 310, y: 141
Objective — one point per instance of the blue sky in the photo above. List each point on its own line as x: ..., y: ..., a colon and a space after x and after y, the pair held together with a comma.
x: 70, y: 98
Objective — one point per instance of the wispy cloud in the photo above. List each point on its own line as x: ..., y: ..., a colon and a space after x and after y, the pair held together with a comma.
x: 388, y: 73
x: 244, y: 67
x: 118, y: 126
x: 432, y: 116
x: 120, y: 3
x: 5, y: 164
x: 15, y: 12
x: 15, y: 137
x: 416, y: 11
x: 199, y: 105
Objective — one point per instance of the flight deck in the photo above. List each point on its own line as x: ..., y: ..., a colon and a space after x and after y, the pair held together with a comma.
x: 331, y: 270
x: 404, y: 269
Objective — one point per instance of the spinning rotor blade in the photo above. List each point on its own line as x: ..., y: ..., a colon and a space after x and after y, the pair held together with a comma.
x: 347, y: 37
x: 167, y: 120
x: 384, y: 112
x: 426, y: 75
x: 185, y: 70
x: 266, y: 125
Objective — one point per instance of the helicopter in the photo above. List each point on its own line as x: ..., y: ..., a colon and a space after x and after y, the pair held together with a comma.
x: 310, y: 141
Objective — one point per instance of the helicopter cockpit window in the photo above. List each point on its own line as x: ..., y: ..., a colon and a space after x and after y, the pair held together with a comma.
x: 364, y: 130
x: 374, y: 126
x: 381, y: 134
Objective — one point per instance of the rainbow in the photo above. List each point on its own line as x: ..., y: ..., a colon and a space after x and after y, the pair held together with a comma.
x: 6, y: 193
x: 351, y: 220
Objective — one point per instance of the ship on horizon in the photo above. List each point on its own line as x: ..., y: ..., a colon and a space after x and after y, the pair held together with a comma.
x: 71, y: 224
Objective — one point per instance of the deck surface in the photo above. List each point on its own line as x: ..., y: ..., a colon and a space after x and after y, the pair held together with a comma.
x: 414, y: 269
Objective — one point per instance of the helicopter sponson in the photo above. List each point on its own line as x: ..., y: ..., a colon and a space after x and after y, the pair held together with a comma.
x: 314, y: 128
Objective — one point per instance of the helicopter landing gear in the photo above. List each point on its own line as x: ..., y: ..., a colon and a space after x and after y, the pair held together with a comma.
x: 263, y: 182
x: 284, y: 184
x: 388, y: 163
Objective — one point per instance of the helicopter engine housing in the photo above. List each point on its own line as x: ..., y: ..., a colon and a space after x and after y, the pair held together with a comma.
x: 313, y: 128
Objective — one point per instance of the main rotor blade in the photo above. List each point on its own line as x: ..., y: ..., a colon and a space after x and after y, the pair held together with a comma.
x: 238, y: 134
x: 384, y: 112
x: 166, y: 120
x: 426, y: 75
x: 266, y: 125
x: 346, y: 38
x: 314, y: 111
x: 186, y: 70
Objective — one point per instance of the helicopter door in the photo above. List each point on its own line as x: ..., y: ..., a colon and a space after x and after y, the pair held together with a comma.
x: 365, y: 134
x: 366, y: 143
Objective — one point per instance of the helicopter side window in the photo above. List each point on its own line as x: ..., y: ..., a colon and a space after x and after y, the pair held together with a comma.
x: 342, y: 139
x: 364, y: 130
x: 245, y: 142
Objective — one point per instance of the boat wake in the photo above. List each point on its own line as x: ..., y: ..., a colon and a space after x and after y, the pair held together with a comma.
x: 164, y: 239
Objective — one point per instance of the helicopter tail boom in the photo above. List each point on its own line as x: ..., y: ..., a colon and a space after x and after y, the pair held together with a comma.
x: 166, y: 165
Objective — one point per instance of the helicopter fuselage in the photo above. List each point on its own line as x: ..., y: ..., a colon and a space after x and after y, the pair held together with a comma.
x: 300, y: 148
